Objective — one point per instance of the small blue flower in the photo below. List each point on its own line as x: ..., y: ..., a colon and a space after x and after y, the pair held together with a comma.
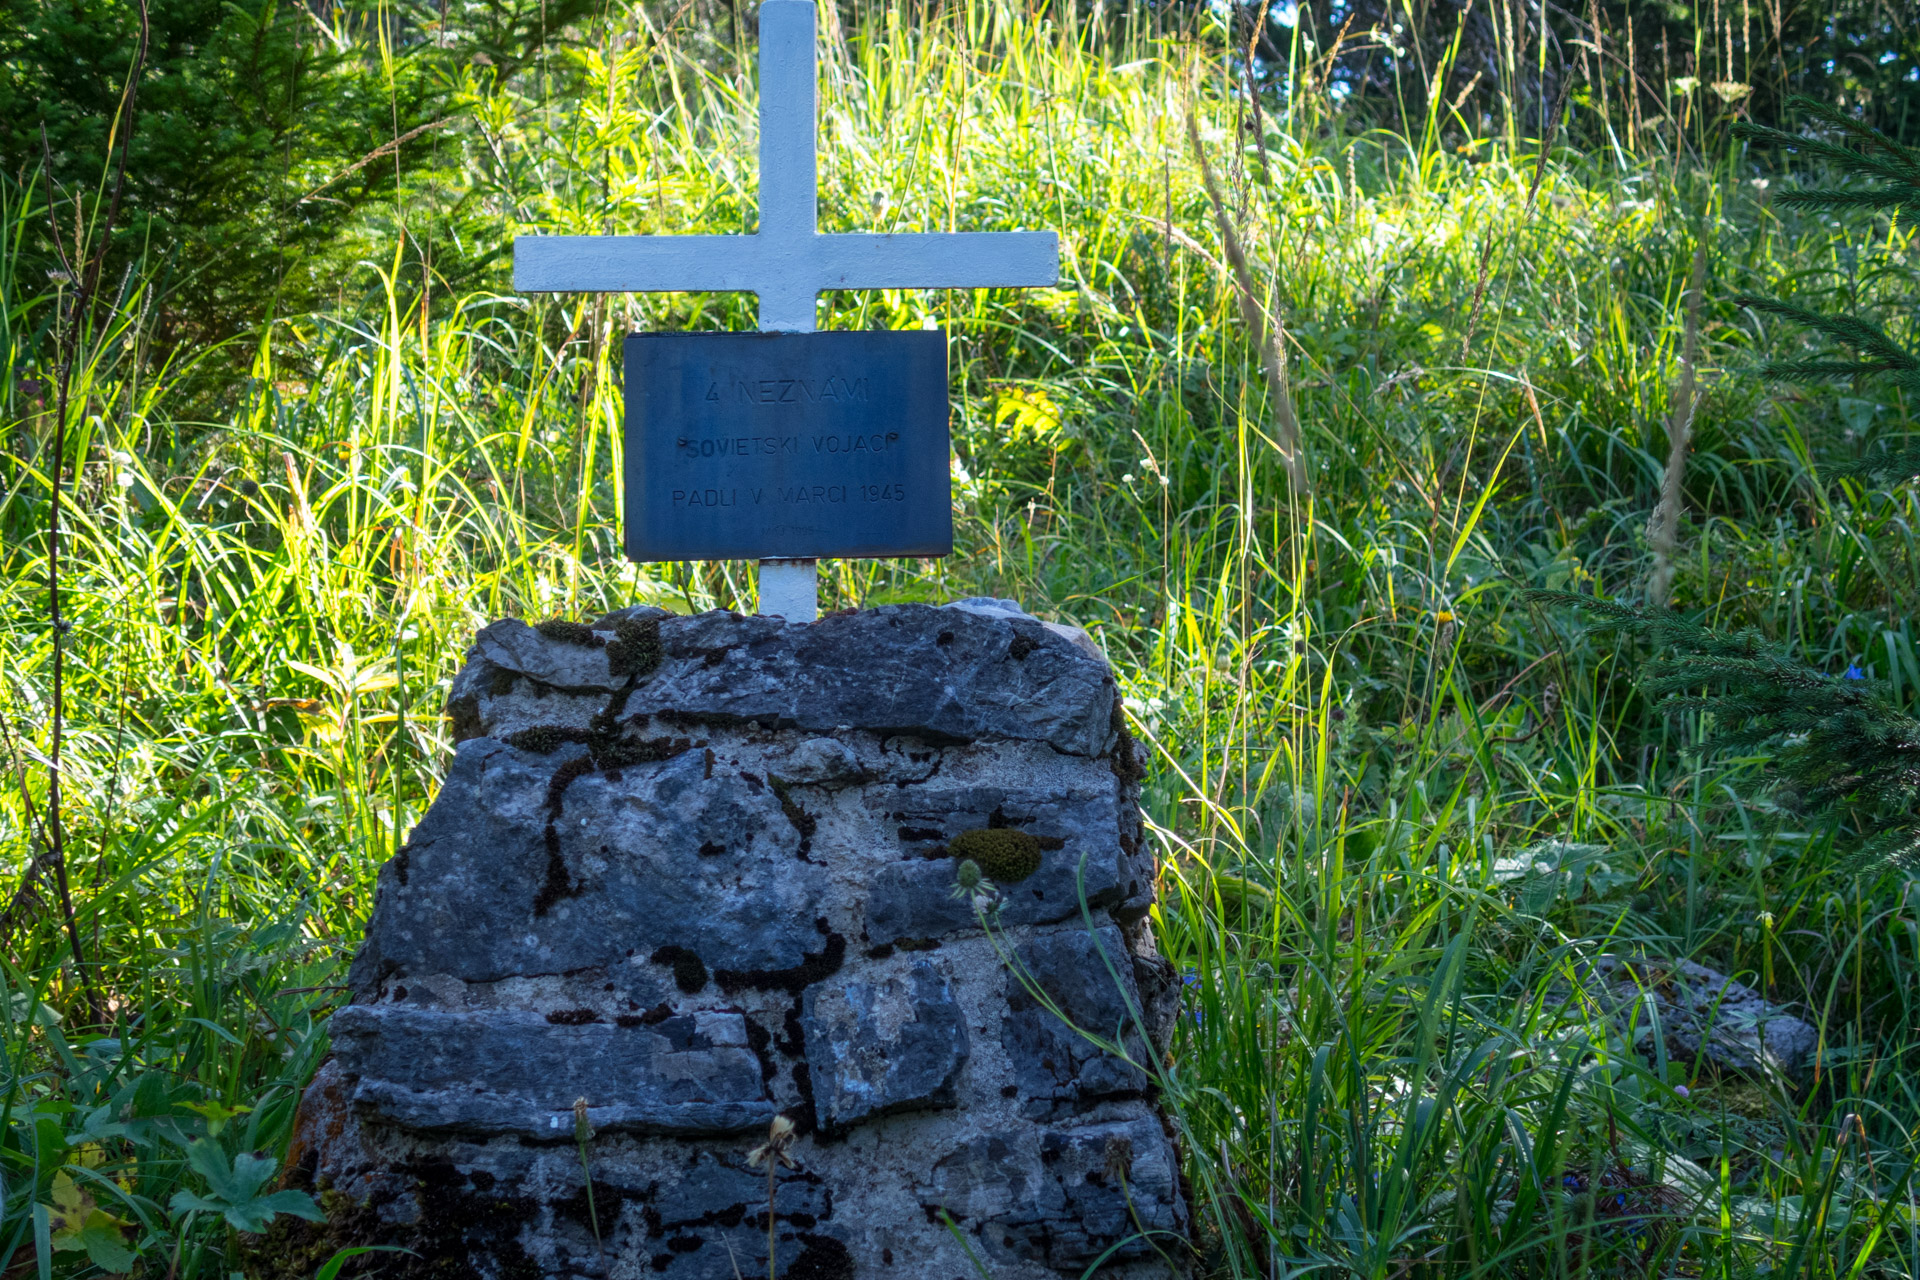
x: 1189, y: 980
x: 1854, y: 673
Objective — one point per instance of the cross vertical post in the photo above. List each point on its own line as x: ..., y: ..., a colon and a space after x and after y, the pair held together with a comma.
x: 790, y: 214
x: 789, y: 183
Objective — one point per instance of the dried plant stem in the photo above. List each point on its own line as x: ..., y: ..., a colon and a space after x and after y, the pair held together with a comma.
x: 1533, y: 199
x: 582, y: 1135
x: 1666, y: 516
x: 1272, y: 339
x: 73, y: 324
x: 55, y: 827
x: 773, y: 1173
x: 1255, y: 27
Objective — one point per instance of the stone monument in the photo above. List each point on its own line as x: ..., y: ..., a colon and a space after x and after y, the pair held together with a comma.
x: 738, y: 946
x: 675, y: 967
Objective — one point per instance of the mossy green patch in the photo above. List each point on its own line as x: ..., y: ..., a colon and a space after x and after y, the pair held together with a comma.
x: 466, y: 1226
x: 560, y: 631
x: 544, y: 739
x: 635, y: 650
x: 1007, y: 856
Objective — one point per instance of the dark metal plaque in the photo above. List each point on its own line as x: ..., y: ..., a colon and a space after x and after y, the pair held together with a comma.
x: 787, y: 445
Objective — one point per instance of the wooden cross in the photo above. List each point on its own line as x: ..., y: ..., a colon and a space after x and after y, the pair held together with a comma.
x: 787, y: 262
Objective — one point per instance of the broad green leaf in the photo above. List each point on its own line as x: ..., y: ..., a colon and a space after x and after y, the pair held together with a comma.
x: 234, y: 1190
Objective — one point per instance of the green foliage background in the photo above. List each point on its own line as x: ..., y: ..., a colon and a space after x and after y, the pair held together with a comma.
x: 1399, y: 800
x: 264, y: 146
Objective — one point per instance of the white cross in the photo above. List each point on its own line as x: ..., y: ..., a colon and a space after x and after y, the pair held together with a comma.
x: 787, y: 262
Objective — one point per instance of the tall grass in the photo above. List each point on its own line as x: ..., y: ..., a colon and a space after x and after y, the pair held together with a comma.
x: 1398, y: 806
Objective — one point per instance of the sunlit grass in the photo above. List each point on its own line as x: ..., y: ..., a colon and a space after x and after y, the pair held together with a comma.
x: 1353, y: 714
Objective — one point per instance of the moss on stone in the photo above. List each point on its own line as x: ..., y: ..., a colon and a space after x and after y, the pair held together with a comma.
x: 560, y: 631
x: 689, y: 971
x: 635, y: 650
x: 1007, y: 856
x: 544, y: 739
x: 689, y: 974
x: 618, y: 752
x: 803, y: 822
x: 465, y: 1227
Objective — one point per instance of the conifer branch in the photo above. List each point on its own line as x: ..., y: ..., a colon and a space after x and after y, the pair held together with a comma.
x: 1842, y: 748
x: 1881, y: 158
x: 1899, y: 464
x: 1882, y: 354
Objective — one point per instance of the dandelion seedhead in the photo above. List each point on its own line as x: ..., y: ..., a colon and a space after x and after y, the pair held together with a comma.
x: 582, y: 1135
x: 778, y: 1146
x: 774, y: 1152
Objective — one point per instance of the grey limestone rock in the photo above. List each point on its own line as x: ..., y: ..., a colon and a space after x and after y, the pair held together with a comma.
x: 519, y: 1073
x: 823, y: 760
x: 690, y: 875
x: 1065, y: 1196
x: 512, y: 874
x: 1078, y: 990
x: 946, y: 675
x: 1703, y: 1013
x: 883, y: 1043
x: 1081, y: 857
x: 570, y: 667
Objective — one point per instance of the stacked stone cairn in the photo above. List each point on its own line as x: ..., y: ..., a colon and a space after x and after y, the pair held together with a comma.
x: 678, y: 945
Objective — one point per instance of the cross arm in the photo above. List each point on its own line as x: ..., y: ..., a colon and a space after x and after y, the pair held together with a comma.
x: 938, y: 260
x: 787, y: 267
x: 635, y: 264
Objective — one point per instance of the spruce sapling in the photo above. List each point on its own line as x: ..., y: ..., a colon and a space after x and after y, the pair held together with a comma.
x: 1892, y: 174
x: 1842, y: 747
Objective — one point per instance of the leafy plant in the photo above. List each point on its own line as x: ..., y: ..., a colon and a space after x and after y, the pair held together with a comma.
x: 233, y: 1189
x: 78, y: 1222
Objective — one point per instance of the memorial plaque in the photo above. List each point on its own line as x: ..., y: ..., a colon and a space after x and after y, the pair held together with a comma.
x: 791, y: 445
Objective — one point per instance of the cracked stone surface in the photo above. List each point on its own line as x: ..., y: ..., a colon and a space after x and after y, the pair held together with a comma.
x: 878, y: 1046
x: 710, y: 886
